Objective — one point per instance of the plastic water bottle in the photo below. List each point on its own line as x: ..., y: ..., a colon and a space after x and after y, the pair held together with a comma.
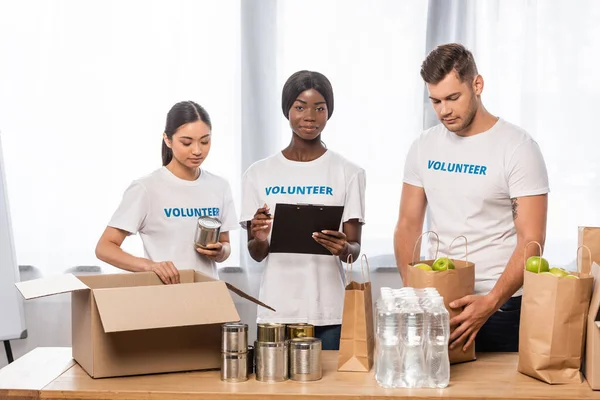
x: 438, y: 334
x: 412, y: 339
x: 412, y: 335
x: 388, y: 333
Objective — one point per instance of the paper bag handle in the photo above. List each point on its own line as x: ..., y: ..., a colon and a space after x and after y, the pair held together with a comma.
x: 590, y: 254
x: 349, y: 267
x: 419, y: 240
x: 466, y: 247
x: 525, y: 255
x: 364, y: 257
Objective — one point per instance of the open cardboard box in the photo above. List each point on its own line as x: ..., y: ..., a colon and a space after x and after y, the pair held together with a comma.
x: 132, y: 324
x: 592, y: 350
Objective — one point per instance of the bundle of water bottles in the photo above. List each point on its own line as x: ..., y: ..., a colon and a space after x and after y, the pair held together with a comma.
x: 413, y: 330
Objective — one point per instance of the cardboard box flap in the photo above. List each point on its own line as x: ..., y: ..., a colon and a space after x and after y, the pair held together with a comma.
x: 164, y: 306
x: 200, y: 277
x: 49, y: 286
x: 247, y: 296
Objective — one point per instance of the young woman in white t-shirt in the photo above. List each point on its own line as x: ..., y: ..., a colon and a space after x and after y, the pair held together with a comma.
x: 164, y: 206
x: 305, y: 288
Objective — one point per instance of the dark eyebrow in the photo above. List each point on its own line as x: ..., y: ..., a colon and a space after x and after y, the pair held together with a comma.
x: 447, y: 97
x: 303, y: 102
x: 189, y: 138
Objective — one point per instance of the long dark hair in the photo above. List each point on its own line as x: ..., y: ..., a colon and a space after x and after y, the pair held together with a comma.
x: 305, y: 80
x: 180, y: 114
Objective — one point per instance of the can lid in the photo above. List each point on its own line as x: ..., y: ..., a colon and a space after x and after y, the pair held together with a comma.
x: 305, y: 343
x: 270, y: 325
x: 300, y: 326
x: 209, y: 222
x: 235, y: 327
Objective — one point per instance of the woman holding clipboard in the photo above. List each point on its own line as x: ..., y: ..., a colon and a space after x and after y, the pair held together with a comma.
x: 305, y: 288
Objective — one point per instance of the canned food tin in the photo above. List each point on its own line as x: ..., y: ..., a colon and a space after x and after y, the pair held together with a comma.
x: 271, y: 333
x: 207, y: 231
x: 300, y: 330
x: 305, y: 359
x: 234, y: 337
x: 271, y: 361
x: 234, y: 367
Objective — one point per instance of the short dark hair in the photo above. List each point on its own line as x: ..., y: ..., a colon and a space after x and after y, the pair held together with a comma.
x: 180, y: 114
x: 305, y: 80
x: 447, y: 58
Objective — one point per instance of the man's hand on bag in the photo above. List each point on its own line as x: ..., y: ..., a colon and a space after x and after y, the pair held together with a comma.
x: 477, y: 310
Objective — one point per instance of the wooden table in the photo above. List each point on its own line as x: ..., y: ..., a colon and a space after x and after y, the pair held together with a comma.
x: 49, y: 373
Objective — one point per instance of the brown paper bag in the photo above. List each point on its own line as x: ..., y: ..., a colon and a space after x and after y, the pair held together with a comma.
x: 451, y: 285
x: 357, y: 341
x: 553, y: 318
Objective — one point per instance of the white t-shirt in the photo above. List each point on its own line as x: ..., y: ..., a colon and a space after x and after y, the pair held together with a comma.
x: 164, y: 209
x: 303, y: 287
x: 469, y: 183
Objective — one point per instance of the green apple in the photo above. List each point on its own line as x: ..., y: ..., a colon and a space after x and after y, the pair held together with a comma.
x: 572, y: 276
x: 537, y: 264
x: 442, y: 264
x: 424, y: 267
x: 547, y: 273
x: 559, y: 272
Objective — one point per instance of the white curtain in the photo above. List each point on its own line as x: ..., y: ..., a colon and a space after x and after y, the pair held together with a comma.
x: 85, y: 88
x: 539, y: 61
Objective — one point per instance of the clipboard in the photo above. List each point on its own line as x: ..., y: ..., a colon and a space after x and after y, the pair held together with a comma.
x: 294, y: 224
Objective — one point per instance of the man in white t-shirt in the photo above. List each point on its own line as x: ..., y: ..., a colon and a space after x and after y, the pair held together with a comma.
x: 479, y: 176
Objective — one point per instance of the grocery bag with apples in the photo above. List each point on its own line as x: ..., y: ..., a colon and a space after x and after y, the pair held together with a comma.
x: 452, y: 278
x: 554, y: 310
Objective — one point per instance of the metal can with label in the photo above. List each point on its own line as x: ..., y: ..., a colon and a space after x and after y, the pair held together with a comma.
x: 300, y: 331
x: 208, y: 230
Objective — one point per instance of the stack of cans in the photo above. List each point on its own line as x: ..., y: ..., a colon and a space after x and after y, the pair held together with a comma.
x: 290, y: 352
x: 236, y: 364
x: 271, y: 353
